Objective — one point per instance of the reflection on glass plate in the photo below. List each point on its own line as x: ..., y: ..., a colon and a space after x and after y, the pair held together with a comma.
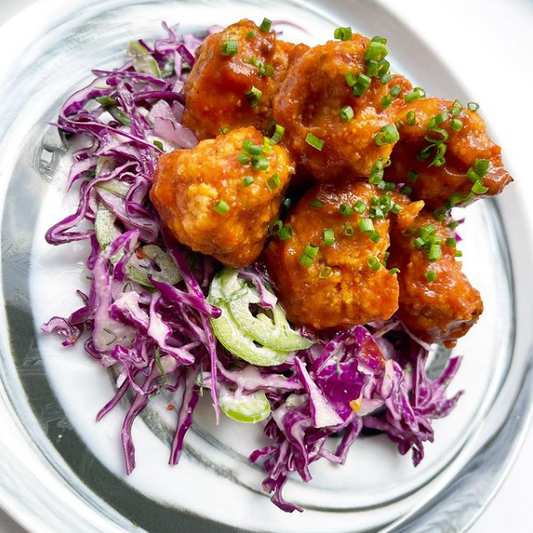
x: 55, y: 393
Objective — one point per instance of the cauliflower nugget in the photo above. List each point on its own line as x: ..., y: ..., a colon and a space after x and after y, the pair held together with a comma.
x: 234, y: 79
x: 220, y: 197
x: 444, y: 154
x: 333, y: 111
x: 437, y: 302
x: 330, y: 273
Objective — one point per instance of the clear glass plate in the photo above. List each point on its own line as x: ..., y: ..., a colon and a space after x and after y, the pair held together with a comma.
x: 53, y: 394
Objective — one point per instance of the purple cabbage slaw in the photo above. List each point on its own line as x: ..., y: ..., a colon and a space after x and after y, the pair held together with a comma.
x: 161, y: 338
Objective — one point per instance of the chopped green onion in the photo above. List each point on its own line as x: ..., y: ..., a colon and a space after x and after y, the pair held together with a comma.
x: 275, y: 227
x: 386, y: 78
x: 309, y: 255
x: 473, y: 106
x: 419, y: 242
x: 254, y: 96
x: 373, y: 263
x: 417, y: 93
x: 325, y: 272
x: 456, y: 124
x: 366, y: 225
x: 247, y: 181
x: 159, y: 145
x: 221, y: 207
x: 372, y: 68
x: 328, y: 237
x: 374, y: 236
x: 425, y: 232
x: 386, y: 101
x: 451, y: 242
x: 456, y: 108
x: 406, y: 190
x: 287, y: 202
x: 273, y: 182
x: 393, y: 271
x: 362, y: 84
x: 266, y: 145
x: 458, y: 253
x: 431, y: 276
x: 348, y: 230
x: 410, y: 118
x: 351, y: 80
x: 316, y: 203
x: 224, y: 130
x: 251, y: 34
x: 344, y: 34
x: 285, y: 233
x: 412, y: 176
x: 377, y: 50
x: 251, y: 148
x: 481, y: 167
x: 229, y: 47
x: 346, y: 210
x: 346, y: 113
x: 360, y: 207
x: 119, y: 116
x: 395, y: 91
x: 259, y: 162
x: 396, y: 208
x: 265, y: 25
x: 278, y: 134
x: 315, y: 142
x: 387, y: 135
x: 435, y: 252
x: 453, y: 224
x: 439, y: 214
x: 479, y: 188
x: 376, y: 174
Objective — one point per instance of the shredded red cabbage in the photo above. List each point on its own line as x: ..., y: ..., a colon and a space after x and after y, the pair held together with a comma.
x: 159, y: 336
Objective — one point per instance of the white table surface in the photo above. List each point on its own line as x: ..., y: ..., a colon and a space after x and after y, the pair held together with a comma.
x: 503, y: 31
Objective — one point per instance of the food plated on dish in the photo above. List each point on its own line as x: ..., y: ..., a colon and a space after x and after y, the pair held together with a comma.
x: 270, y: 224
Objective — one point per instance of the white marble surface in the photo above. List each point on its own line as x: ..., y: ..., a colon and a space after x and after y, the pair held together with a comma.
x: 486, y: 41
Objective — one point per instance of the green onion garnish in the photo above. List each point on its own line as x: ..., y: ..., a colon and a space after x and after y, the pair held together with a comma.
x: 473, y: 106
x: 325, y: 272
x: 410, y: 118
x: 310, y: 252
x: 159, y: 145
x: 344, y: 34
x: 328, y: 237
x: 430, y: 275
x: 247, y: 181
x: 316, y: 203
x: 366, y: 225
x: 451, y: 242
x: 259, y: 162
x: 229, y: 47
x: 275, y: 227
x: 254, y: 96
x: 346, y: 210
x: 224, y: 130
x: 244, y: 159
x: 435, y: 252
x: 412, y: 176
x: 285, y: 233
x: 251, y: 148
x: 387, y: 135
x: 393, y: 271
x: 273, y: 182
x: 479, y: 188
x: 481, y: 167
x: 265, y: 25
x: 348, y: 230
x: 278, y: 134
x: 377, y: 49
x: 417, y: 93
x: 315, y: 142
x: 106, y: 101
x: 406, y: 190
x: 362, y: 84
x: 251, y: 34
x: 458, y: 253
x: 456, y: 124
x: 221, y: 207
x: 346, y: 113
x: 373, y: 263
x: 351, y: 80
x: 439, y: 214
x: 360, y: 207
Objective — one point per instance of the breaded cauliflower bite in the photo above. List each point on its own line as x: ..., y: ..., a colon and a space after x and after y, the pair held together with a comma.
x: 333, y: 112
x: 330, y: 274
x: 234, y: 79
x: 220, y: 197
x: 445, y: 154
x: 437, y: 302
